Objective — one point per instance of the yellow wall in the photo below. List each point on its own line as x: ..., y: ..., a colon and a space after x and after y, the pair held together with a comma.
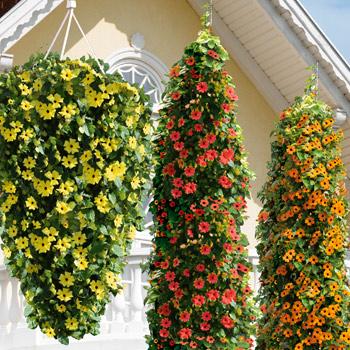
x: 167, y: 25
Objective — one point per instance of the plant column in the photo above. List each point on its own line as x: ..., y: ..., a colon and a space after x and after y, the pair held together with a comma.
x: 302, y: 231
x: 199, y: 294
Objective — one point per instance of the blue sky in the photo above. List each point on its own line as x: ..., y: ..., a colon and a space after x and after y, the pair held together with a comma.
x: 333, y: 16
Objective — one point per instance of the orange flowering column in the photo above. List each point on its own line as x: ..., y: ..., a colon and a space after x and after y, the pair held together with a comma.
x: 199, y: 295
x: 302, y: 232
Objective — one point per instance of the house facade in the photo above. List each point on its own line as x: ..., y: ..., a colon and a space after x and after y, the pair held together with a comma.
x: 270, y: 42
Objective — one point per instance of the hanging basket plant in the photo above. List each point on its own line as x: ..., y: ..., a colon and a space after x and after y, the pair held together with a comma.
x: 303, y: 233
x: 75, y: 147
x: 199, y: 296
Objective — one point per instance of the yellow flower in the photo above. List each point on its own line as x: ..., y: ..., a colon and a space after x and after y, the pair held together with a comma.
x: 98, y: 288
x: 25, y: 76
x: 42, y: 245
x: 68, y: 111
x: 12, y: 231
x: 89, y: 78
x: 27, y: 134
x: 79, y: 238
x: 86, y: 156
x: 37, y: 85
x: 147, y: 129
x: 61, y: 308
x: 67, y: 74
x: 7, y: 252
x: 132, y: 232
x: 46, y: 111
x: 66, y: 279
x: 9, y: 187
x: 71, y: 324
x: 94, y: 99
x: 21, y: 243
x: 69, y: 161
x: 31, y: 203
x: 49, y: 332
x: 9, y: 134
x: 27, y: 175
x: 102, y: 203
x: 63, y: 244
x: 45, y: 188
x: 62, y: 207
x: 71, y: 146
x: 132, y: 142
x: 141, y: 150
x: 24, y: 89
x: 29, y: 162
x: 81, y: 264
x: 135, y: 182
x: 66, y: 187
x: 64, y: 294
x: 26, y: 105
x: 56, y: 99
x: 117, y: 169
x: 118, y: 220
x: 91, y: 175
x: 112, y: 279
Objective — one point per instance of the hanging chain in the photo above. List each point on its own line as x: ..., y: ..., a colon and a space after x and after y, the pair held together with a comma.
x: 211, y: 13
x: 70, y: 15
x: 317, y: 78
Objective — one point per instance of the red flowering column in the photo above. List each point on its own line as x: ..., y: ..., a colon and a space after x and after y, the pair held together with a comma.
x: 199, y: 294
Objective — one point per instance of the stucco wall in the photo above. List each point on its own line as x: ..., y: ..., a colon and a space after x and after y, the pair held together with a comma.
x: 167, y: 25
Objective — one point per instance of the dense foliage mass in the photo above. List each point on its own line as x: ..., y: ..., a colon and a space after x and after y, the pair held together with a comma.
x: 75, y: 148
x: 303, y: 234
x: 199, y: 296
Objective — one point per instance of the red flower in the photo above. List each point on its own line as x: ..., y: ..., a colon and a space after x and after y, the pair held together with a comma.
x: 169, y: 169
x: 164, y: 333
x: 186, y: 272
x: 190, y: 61
x: 201, y: 161
x: 198, y: 300
x: 164, y: 310
x: 228, y: 296
x: 227, y: 322
x: 204, y: 202
x: 228, y: 247
x: 196, y: 114
x: 213, y: 54
x: 200, y: 267
x: 183, y: 154
x: 198, y: 283
x: 213, y: 295
x: 225, y: 182
x: 242, y: 268
x: 211, y: 154
x: 189, y: 171
x: 165, y: 323
x: 210, y: 339
x: 212, y: 278
x: 193, y: 345
x: 173, y: 286
x: 176, y: 193
x: 185, y: 333
x: 164, y: 265
x: 190, y: 187
x: 179, y: 293
x: 170, y: 124
x: 230, y: 93
x: 198, y: 127
x: 211, y: 138
x: 204, y: 227
x: 202, y: 87
x: 175, y: 71
x: 170, y: 276
x: 226, y: 107
x: 175, y: 95
x: 185, y: 316
x: 206, y: 316
x: 226, y: 156
x: 233, y: 233
x: 178, y: 146
x: 175, y: 135
x: 204, y: 326
x: 176, y: 262
x: 205, y: 249
x: 177, y: 182
x: 203, y: 143
x: 181, y: 122
x: 232, y: 132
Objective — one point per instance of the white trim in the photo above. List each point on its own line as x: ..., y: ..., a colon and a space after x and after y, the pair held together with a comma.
x: 304, y: 52
x: 22, y: 18
x: 248, y: 65
x: 143, y: 59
